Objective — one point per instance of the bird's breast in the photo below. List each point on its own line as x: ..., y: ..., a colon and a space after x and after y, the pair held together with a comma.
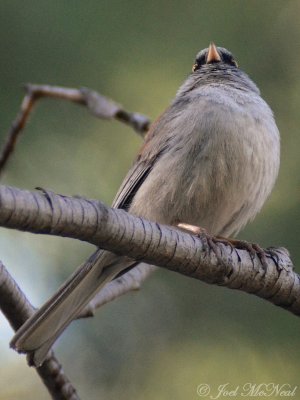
x: 219, y: 167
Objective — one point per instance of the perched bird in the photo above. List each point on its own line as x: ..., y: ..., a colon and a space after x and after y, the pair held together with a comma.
x: 210, y: 160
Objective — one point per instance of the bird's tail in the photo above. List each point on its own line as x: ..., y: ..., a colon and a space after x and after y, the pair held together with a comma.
x: 39, y: 332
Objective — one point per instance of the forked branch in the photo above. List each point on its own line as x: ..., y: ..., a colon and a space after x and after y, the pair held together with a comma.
x: 97, y: 104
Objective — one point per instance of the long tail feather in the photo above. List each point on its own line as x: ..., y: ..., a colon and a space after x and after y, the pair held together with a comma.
x: 38, y: 333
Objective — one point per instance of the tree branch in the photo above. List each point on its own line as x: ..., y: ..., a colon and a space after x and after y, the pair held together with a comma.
x: 128, y: 282
x: 97, y: 104
x: 17, y: 309
x: 164, y: 246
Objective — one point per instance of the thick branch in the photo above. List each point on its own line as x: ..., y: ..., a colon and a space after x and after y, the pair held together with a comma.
x: 164, y: 246
x: 17, y: 309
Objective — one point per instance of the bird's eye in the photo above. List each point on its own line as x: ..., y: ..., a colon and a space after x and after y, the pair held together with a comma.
x: 228, y: 59
x: 233, y: 62
x: 198, y: 63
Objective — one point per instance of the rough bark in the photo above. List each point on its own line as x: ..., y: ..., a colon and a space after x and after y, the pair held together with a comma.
x: 116, y: 230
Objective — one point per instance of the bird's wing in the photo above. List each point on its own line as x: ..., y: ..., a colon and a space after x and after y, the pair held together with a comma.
x: 133, y: 180
x: 142, y: 166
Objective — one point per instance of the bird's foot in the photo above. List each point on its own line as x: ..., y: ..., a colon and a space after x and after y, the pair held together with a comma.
x: 196, y: 230
x: 211, y: 243
x: 252, y: 248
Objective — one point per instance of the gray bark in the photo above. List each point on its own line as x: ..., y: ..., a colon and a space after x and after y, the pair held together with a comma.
x: 164, y: 246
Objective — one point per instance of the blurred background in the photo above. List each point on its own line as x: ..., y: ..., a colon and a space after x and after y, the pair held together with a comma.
x: 176, y: 332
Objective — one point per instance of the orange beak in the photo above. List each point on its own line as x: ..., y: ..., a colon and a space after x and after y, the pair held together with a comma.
x: 212, y: 55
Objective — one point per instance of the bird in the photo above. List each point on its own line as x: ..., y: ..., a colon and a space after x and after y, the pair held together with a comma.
x: 210, y: 160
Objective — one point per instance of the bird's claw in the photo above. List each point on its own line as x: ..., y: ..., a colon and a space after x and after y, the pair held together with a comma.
x: 211, y: 243
x: 252, y: 248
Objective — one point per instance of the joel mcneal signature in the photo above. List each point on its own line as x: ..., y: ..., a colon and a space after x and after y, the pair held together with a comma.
x: 248, y: 389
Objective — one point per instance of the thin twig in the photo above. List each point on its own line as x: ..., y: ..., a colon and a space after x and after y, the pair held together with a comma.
x: 97, y: 104
x: 128, y: 282
x: 16, y: 129
x: 17, y: 309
